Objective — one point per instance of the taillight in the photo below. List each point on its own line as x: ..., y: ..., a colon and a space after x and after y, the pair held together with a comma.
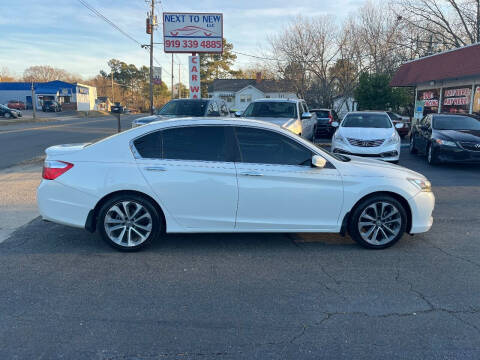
x: 330, y: 117
x: 53, y: 169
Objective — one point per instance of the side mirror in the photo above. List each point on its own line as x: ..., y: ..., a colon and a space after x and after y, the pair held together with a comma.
x: 318, y: 161
x: 306, y: 115
x: 335, y: 124
x: 399, y: 125
x: 238, y: 113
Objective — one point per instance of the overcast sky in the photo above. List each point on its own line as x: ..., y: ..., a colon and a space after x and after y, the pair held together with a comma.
x: 66, y: 35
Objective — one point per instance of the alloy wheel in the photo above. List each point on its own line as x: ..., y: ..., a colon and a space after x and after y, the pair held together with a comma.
x: 128, y: 223
x: 379, y: 223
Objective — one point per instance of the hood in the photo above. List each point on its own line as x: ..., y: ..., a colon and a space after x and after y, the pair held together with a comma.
x: 370, y: 167
x: 458, y: 135
x: 272, y: 120
x: 366, y: 133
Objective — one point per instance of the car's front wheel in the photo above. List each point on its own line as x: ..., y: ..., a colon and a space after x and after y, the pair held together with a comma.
x: 7, y: 115
x: 431, y: 155
x: 378, y: 222
x: 413, y: 149
x: 129, y: 222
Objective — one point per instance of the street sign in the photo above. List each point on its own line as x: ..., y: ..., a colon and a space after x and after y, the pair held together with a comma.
x: 157, y: 75
x: 193, y: 32
x: 194, y: 75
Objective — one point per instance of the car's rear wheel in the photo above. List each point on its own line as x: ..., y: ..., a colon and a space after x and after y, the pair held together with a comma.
x: 8, y: 115
x: 413, y: 149
x: 378, y: 222
x: 129, y: 222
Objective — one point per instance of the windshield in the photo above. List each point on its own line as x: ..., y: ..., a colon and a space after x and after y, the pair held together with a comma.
x: 321, y: 113
x: 456, y: 123
x: 4, y: 107
x: 184, y: 107
x: 275, y: 109
x: 378, y: 121
x: 393, y: 116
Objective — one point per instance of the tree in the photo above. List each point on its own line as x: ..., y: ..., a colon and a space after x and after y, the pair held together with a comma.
x: 441, y: 24
x: 5, y: 75
x: 374, y: 93
x: 217, y: 66
x: 43, y: 73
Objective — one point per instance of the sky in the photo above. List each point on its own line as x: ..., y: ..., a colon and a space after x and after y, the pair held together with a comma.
x: 66, y: 35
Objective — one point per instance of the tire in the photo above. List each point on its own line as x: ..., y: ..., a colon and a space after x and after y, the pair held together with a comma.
x: 374, y: 207
x: 412, y: 148
x: 129, y: 234
x: 7, y: 115
x: 431, y: 156
x: 314, y: 134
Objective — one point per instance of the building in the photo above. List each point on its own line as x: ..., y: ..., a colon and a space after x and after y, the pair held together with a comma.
x: 344, y: 104
x: 74, y: 96
x: 448, y: 82
x: 238, y: 93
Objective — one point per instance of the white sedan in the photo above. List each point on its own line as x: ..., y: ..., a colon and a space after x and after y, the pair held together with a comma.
x: 227, y: 175
x: 367, y: 133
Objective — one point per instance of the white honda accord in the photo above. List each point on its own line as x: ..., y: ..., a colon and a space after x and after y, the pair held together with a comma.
x: 227, y: 175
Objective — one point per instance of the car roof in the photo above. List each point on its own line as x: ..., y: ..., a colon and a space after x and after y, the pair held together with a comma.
x: 210, y: 121
x: 449, y: 114
x: 320, y: 109
x: 368, y: 112
x: 277, y: 100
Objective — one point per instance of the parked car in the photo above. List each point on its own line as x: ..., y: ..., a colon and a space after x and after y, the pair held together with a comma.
x: 291, y: 114
x: 16, y: 104
x: 325, y: 117
x: 369, y: 134
x: 8, y: 113
x: 404, y: 127
x: 180, y: 108
x: 51, y: 105
x: 447, y: 138
x: 227, y: 175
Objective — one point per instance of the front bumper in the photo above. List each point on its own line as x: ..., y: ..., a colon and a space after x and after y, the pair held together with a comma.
x: 456, y: 154
x: 386, y: 153
x: 421, y: 206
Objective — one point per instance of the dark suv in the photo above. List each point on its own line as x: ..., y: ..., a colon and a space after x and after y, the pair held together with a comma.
x: 51, y: 105
x: 179, y: 108
x: 325, y: 117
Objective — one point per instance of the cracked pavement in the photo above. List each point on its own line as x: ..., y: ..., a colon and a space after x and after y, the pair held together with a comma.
x: 66, y: 294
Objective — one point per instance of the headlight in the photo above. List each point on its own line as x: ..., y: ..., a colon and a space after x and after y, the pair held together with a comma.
x: 339, y: 138
x: 422, y: 184
x: 445, y: 142
x: 393, y: 139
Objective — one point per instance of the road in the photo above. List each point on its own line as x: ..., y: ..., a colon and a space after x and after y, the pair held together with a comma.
x: 23, y: 142
x: 66, y: 294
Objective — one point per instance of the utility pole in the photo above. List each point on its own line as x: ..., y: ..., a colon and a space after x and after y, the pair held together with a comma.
x: 113, y: 92
x: 179, y: 87
x: 34, y: 103
x: 172, y: 76
x: 152, y: 23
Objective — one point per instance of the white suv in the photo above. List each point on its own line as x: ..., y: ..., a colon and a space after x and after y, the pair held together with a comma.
x: 369, y: 134
x: 291, y: 114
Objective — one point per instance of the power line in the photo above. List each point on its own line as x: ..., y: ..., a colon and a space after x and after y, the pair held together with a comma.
x: 254, y: 56
x: 104, y: 18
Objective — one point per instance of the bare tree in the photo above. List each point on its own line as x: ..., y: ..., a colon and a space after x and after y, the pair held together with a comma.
x: 48, y: 73
x: 445, y: 24
x: 5, y: 75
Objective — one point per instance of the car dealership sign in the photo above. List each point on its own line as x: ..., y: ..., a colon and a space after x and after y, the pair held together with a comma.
x: 193, y: 32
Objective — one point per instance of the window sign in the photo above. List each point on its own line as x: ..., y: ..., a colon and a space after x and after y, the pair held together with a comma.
x: 476, y: 100
x: 457, y: 100
x: 430, y: 99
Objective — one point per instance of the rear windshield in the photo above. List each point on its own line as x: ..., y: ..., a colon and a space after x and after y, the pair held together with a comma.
x: 275, y: 109
x: 184, y: 108
x: 367, y: 121
x: 456, y: 123
x: 321, y: 113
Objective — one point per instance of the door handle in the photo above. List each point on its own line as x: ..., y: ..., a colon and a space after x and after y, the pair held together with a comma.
x: 155, y: 168
x: 251, y: 173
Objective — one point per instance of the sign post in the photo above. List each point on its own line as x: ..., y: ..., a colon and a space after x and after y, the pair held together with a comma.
x: 194, y: 76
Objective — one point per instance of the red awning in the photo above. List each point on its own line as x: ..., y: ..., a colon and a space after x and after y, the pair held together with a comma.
x: 451, y: 64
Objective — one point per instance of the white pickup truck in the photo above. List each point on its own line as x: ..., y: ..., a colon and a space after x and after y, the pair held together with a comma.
x: 291, y: 114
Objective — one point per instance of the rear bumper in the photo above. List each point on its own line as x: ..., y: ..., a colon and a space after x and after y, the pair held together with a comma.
x: 53, y: 204
x: 422, y: 206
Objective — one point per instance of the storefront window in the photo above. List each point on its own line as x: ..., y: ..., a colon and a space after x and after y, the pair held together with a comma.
x: 457, y: 100
x: 476, y: 101
x: 430, y: 99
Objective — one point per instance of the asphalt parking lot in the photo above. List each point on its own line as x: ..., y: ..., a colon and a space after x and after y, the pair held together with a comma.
x: 66, y: 294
